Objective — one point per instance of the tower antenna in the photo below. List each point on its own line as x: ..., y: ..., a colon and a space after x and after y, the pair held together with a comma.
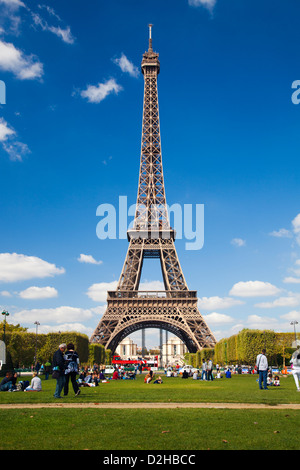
x: 150, y: 37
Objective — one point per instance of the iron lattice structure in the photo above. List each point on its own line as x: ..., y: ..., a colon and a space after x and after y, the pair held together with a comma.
x: 174, y: 309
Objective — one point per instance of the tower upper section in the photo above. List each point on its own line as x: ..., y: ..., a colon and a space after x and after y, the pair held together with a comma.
x: 150, y: 63
x: 151, y: 217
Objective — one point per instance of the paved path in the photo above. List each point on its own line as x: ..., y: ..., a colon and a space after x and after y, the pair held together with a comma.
x: 232, y: 406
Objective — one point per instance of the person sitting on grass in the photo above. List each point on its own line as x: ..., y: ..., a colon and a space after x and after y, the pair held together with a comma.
x: 115, y: 375
x: 270, y: 379
x: 158, y: 381
x: 149, y: 377
x: 92, y: 380
x: 35, y: 385
x: 8, y: 382
x: 276, y: 381
x: 101, y: 375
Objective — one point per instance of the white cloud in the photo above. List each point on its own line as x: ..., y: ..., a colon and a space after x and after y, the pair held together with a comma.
x: 98, y: 291
x: 15, y: 61
x: 76, y: 326
x: 281, y: 233
x: 88, y: 259
x: 291, y: 301
x: 10, y: 19
x: 16, y: 150
x: 96, y: 94
x: 18, y: 267
x: 289, y: 234
x: 209, y: 4
x: 253, y: 289
x: 99, y: 310
x: 63, y: 33
x: 295, y: 271
x: 5, y: 130
x: 151, y: 286
x: 215, y: 303
x: 38, y: 293
x: 50, y: 11
x: 58, y: 315
x: 291, y: 316
x: 215, y: 318
x: 5, y: 293
x: 296, y: 228
x: 238, y: 242
x: 258, y: 322
x: 127, y: 66
x: 14, y: 4
x: 291, y: 280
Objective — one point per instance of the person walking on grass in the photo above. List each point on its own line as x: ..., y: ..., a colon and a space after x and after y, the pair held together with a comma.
x: 204, y: 366
x: 72, y: 368
x: 262, y: 368
x: 209, y: 369
x: 47, y: 369
x: 58, y: 365
x: 295, y: 362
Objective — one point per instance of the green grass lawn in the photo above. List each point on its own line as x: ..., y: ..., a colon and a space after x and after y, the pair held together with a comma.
x: 238, y: 389
x: 178, y: 429
x: 154, y: 429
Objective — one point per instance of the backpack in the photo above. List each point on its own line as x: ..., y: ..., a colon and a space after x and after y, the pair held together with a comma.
x: 22, y: 385
x: 72, y: 366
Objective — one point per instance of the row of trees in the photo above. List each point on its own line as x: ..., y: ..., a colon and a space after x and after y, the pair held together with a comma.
x: 243, y: 348
x: 23, y: 347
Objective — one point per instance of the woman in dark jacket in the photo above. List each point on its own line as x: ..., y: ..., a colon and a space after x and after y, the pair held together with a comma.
x: 72, y: 368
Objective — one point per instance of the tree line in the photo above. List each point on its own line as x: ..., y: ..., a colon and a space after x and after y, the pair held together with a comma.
x: 244, y: 347
x: 23, y: 348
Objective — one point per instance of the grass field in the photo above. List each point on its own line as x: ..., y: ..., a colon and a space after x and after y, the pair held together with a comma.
x: 154, y: 429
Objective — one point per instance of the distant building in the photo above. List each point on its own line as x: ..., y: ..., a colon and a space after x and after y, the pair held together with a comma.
x: 126, y: 349
x: 173, y: 352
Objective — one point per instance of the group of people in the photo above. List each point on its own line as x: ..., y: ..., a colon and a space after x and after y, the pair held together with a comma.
x: 65, y: 367
x: 92, y: 378
x: 265, y: 376
x: 9, y: 383
x: 149, y: 377
x: 207, y: 370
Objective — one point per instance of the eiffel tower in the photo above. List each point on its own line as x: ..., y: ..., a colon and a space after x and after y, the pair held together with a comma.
x: 174, y: 309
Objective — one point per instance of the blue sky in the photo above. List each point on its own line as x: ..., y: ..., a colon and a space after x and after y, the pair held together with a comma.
x: 70, y: 135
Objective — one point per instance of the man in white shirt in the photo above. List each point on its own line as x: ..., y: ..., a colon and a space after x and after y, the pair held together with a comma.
x: 262, y: 367
x: 209, y: 369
